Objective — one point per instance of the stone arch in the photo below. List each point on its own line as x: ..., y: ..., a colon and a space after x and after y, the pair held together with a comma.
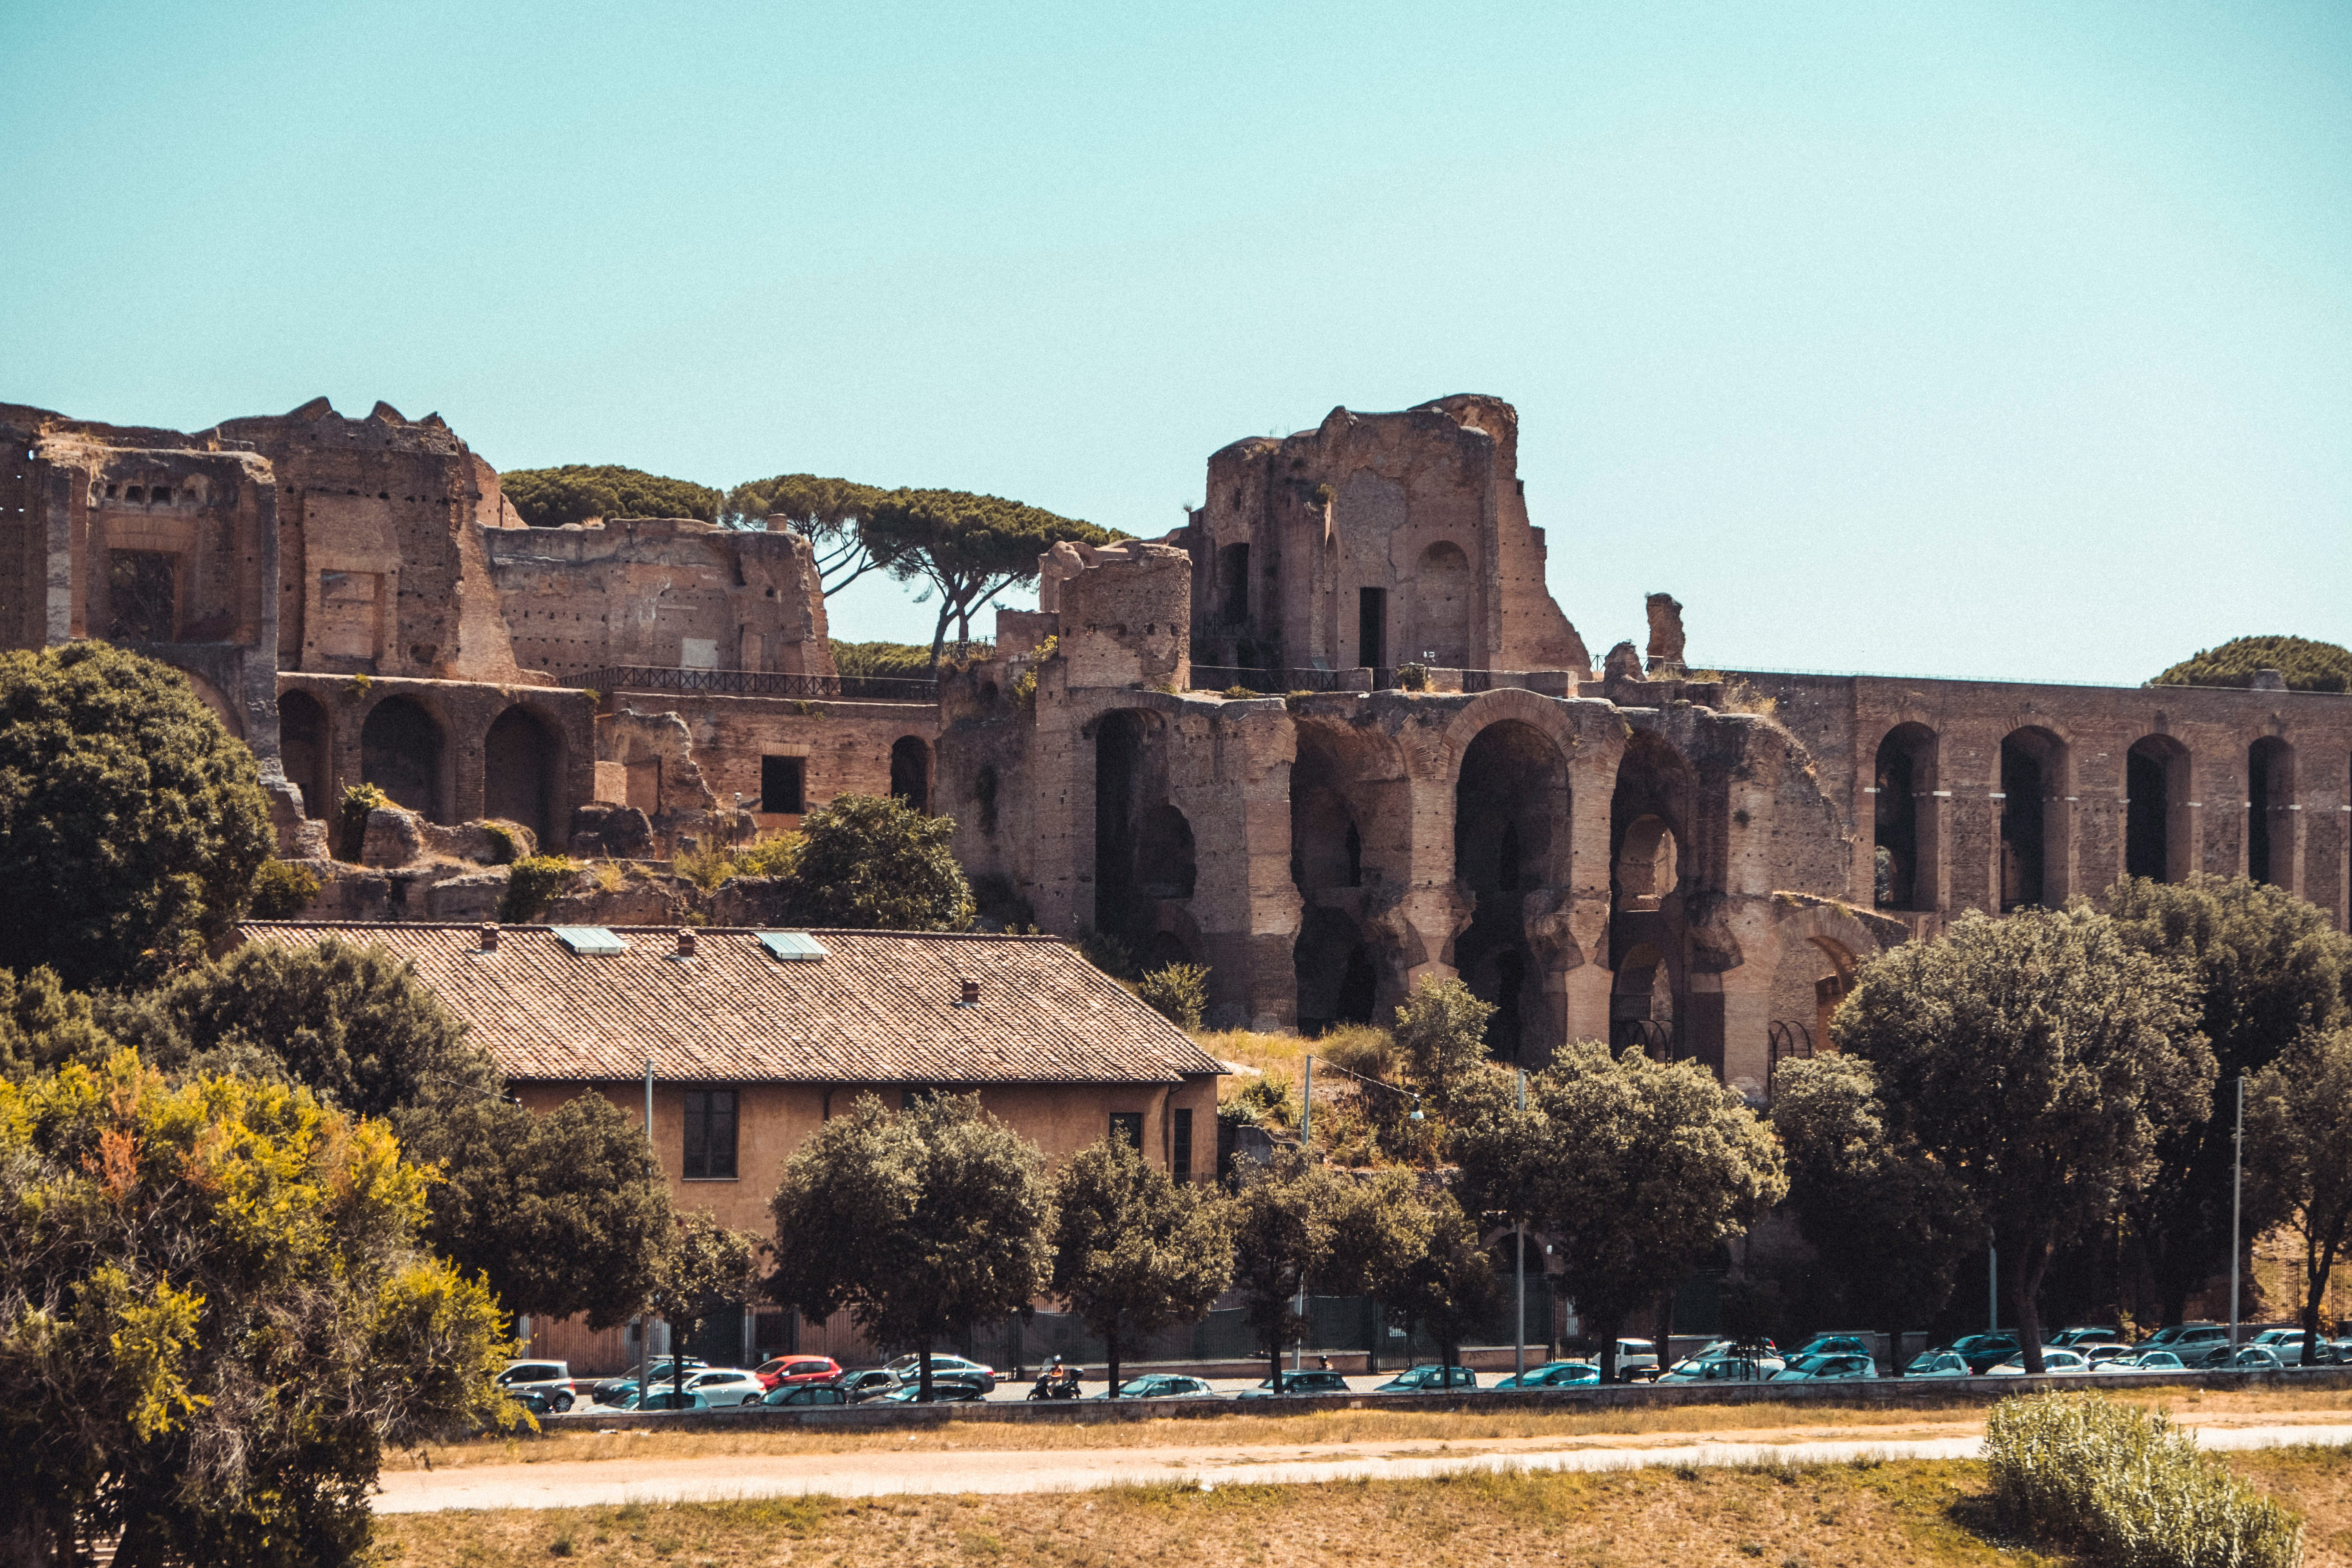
x: 2034, y: 821
x: 2156, y: 809
x: 1338, y: 976
x: 1510, y: 810
x: 1904, y: 821
x: 306, y: 749
x: 521, y: 760
x: 911, y: 771
x: 1441, y: 620
x: 2270, y: 820
x: 1653, y: 866
x: 401, y: 753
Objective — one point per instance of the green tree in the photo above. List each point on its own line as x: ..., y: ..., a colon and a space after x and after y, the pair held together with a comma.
x: 2299, y: 1153
x: 1134, y: 1252
x: 704, y: 1269
x: 130, y: 822
x: 2269, y: 970
x: 2034, y: 1058
x: 924, y: 1223
x: 215, y: 1315
x: 1635, y: 1170
x: 549, y: 498
x: 964, y: 548
x: 1412, y: 1249
x: 1286, y: 1226
x: 828, y: 513
x: 2308, y: 665
x: 43, y: 1025
x: 1889, y: 1223
x: 1177, y: 992
x: 1442, y: 1033
x: 870, y: 863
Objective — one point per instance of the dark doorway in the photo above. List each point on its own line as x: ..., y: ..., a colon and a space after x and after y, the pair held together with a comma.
x: 400, y: 753
x: 2270, y: 832
x: 518, y: 773
x: 2030, y: 776
x: 1906, y: 772
x: 783, y: 786
x: 911, y: 771
x: 1335, y: 972
x: 1164, y: 866
x: 1232, y: 584
x: 303, y: 749
x: 2156, y: 778
x: 1372, y: 627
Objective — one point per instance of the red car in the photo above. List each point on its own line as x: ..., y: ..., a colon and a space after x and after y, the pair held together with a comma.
x: 787, y: 1370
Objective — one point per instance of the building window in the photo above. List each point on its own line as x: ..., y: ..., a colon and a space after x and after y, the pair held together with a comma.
x: 1180, y: 1159
x: 710, y: 1135
x: 1127, y: 1127
x: 784, y: 786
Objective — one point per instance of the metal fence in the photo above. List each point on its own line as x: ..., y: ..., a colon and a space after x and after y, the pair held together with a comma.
x: 763, y: 683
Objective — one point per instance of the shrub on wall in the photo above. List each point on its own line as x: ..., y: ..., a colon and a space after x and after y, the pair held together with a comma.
x: 534, y: 886
x: 2308, y: 665
x: 281, y: 892
x: 350, y: 819
x: 1177, y: 992
x: 507, y: 840
x: 2128, y: 1488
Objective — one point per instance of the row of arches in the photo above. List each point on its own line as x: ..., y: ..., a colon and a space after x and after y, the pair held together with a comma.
x: 2035, y: 792
x: 404, y: 751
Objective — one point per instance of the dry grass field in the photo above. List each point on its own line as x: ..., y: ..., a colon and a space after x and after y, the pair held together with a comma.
x: 1863, y: 1515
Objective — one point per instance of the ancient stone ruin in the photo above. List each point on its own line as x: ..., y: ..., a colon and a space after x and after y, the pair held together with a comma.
x: 1203, y: 745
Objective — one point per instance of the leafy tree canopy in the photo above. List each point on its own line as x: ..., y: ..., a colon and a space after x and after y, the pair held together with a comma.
x: 965, y: 549
x: 898, y: 660
x: 2308, y: 665
x: 1442, y: 1032
x: 1412, y: 1249
x: 2269, y: 971
x: 1285, y: 1231
x: 828, y: 513
x: 1133, y: 1252
x: 875, y: 863
x: 215, y: 1315
x: 549, y: 498
x: 2035, y: 1057
x: 923, y: 1223
x: 130, y: 822
x: 705, y: 1268
x: 2299, y: 1152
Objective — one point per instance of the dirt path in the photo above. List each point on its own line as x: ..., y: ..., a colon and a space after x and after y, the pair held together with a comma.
x: 979, y: 1471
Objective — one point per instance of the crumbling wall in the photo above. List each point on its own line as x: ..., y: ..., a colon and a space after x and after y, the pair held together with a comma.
x: 1122, y: 612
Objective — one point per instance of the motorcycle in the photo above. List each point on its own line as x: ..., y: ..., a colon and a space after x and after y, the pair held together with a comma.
x: 1056, y: 1383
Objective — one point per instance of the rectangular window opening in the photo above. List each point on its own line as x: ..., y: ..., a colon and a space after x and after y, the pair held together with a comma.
x: 784, y: 786
x: 143, y: 591
x: 1127, y: 1127
x: 710, y: 1135
x: 1371, y: 627
x: 1180, y: 1159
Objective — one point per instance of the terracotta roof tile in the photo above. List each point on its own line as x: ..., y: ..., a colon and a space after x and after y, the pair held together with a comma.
x: 879, y: 1009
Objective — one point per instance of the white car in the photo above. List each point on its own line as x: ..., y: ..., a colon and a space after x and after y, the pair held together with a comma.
x: 725, y: 1385
x: 2054, y: 1361
x: 2139, y: 1360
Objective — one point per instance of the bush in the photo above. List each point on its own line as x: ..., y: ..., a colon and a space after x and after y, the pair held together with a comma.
x: 1108, y: 953
x: 1413, y: 677
x: 896, y: 660
x: 1177, y: 992
x: 534, y: 886
x: 548, y: 497
x: 2128, y: 1486
x: 2308, y: 665
x: 350, y: 819
x: 709, y: 868
x: 506, y: 841
x: 281, y: 892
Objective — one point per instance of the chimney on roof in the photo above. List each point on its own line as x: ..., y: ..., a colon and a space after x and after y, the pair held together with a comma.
x: 490, y: 936
x: 970, y: 995
x: 686, y: 941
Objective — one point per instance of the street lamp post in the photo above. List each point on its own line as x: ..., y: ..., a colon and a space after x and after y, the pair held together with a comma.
x: 2237, y: 1192
x: 1520, y: 1270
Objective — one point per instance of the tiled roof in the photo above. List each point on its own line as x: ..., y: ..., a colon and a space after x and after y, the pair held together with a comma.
x: 880, y: 1008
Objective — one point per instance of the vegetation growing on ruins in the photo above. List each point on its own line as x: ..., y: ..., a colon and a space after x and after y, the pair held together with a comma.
x: 549, y: 498
x: 533, y: 884
x: 2308, y: 665
x: 900, y: 660
x: 873, y: 863
x: 351, y: 819
x: 131, y: 823
x: 1177, y: 992
x: 281, y: 892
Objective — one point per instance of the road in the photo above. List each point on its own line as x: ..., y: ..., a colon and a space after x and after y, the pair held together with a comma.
x: 718, y: 1478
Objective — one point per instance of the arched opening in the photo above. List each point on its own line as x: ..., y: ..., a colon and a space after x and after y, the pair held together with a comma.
x: 400, y: 753
x: 2270, y: 827
x: 2032, y: 820
x: 1652, y: 867
x: 1642, y: 1003
x: 1510, y: 841
x: 1233, y: 585
x: 518, y: 771
x: 2156, y: 809
x: 1645, y: 870
x: 303, y: 749
x: 1336, y: 978
x: 1440, y: 590
x: 1903, y: 832
x: 1164, y: 866
x: 911, y: 771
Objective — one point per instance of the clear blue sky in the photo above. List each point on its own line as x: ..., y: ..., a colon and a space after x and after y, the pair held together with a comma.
x: 1960, y: 338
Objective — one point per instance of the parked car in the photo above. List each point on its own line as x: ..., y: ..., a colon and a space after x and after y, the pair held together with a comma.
x: 2055, y: 1360
x: 1637, y: 1359
x: 610, y: 1390
x: 1826, y: 1369
x: 1163, y: 1386
x: 796, y: 1369
x: 668, y: 1399
x: 1832, y: 1344
x: 2140, y: 1361
x: 2181, y: 1339
x: 552, y: 1378
x: 947, y: 1387
x: 1724, y: 1369
x: 1552, y: 1374
x: 2252, y: 1358
x: 725, y: 1385
x: 1430, y: 1379
x: 1297, y: 1383
x: 1939, y: 1364
x: 1980, y: 1350
x: 538, y: 1401
x: 2287, y: 1345
x: 2074, y: 1339
x: 908, y: 1368
x: 805, y: 1393
x: 861, y: 1387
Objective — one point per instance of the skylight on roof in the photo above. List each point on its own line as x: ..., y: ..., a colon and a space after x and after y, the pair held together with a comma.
x: 594, y: 941
x: 793, y: 946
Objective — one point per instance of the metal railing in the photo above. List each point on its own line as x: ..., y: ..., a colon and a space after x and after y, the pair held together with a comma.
x: 1650, y: 1036
x: 1787, y: 1040
x: 763, y: 683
